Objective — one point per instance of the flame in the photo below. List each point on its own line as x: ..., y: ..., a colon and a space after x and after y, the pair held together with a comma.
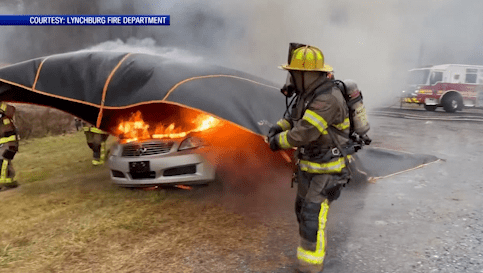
x: 183, y: 187
x: 202, y: 121
x: 135, y: 129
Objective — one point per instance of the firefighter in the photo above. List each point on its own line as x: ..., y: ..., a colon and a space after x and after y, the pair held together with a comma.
x: 8, y: 145
x: 78, y: 124
x: 96, y: 139
x: 318, y: 125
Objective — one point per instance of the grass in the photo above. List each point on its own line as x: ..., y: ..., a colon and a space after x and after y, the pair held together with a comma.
x: 67, y: 217
x: 42, y: 158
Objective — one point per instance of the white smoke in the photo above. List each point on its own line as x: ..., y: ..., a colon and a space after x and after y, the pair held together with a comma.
x: 7, y: 32
x: 371, y: 42
x: 146, y: 46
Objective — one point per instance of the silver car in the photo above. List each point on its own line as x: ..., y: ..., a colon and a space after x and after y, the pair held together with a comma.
x: 157, y: 162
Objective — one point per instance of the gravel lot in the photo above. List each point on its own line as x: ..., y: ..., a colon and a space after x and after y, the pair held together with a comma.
x: 424, y: 220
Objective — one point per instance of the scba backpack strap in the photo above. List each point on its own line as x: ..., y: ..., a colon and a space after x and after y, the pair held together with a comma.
x: 343, y: 89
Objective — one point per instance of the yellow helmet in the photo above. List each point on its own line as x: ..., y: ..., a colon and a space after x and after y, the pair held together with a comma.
x: 307, y: 58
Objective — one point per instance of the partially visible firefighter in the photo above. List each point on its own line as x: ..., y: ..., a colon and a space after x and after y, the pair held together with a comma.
x: 326, y: 121
x: 78, y: 124
x: 96, y: 139
x: 8, y: 145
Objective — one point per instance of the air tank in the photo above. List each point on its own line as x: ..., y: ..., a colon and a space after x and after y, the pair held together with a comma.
x: 357, y: 108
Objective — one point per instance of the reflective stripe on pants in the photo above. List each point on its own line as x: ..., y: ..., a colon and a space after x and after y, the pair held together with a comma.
x: 103, y: 151
x: 317, y: 256
x: 4, y: 172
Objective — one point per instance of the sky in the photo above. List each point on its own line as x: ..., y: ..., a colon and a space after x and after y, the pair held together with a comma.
x: 371, y: 42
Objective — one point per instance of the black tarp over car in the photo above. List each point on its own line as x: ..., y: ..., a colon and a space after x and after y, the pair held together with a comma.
x: 99, y: 87
x: 104, y: 87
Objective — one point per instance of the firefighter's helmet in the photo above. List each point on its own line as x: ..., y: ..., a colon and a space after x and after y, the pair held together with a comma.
x: 307, y: 58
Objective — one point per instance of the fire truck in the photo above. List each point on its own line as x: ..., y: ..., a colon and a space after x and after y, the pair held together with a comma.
x: 451, y: 86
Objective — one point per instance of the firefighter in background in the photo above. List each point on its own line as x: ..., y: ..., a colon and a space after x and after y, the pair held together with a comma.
x: 78, y: 124
x: 318, y: 125
x: 96, y: 139
x: 8, y: 145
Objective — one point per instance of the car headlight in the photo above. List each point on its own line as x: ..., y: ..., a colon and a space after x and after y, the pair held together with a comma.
x: 190, y: 143
x: 116, y: 149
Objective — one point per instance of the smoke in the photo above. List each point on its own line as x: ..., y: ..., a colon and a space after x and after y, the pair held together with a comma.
x: 371, y: 42
x: 251, y: 179
x: 147, y: 46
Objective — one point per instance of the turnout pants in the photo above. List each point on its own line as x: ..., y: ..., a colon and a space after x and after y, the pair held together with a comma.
x: 315, y: 192
x: 7, y: 173
x: 97, y: 142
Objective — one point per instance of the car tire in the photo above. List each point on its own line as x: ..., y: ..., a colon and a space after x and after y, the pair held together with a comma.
x: 430, y: 107
x: 452, y: 102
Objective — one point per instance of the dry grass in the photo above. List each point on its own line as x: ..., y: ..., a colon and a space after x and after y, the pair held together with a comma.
x: 67, y: 217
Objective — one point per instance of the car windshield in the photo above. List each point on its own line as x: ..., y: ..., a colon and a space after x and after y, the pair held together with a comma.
x: 419, y: 76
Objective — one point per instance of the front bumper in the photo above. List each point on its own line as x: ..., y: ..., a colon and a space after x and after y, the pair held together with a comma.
x: 186, y: 169
x: 410, y: 100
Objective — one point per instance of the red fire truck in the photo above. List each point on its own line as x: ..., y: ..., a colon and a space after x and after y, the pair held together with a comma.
x: 451, y: 86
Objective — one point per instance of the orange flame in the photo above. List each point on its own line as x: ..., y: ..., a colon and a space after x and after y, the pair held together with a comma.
x: 203, y: 121
x: 135, y: 129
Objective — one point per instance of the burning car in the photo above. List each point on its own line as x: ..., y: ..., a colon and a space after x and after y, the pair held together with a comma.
x: 170, y: 155
x: 186, y: 106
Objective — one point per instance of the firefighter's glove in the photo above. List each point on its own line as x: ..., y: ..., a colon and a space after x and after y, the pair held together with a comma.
x: 275, y: 129
x: 273, y: 143
x: 366, y: 139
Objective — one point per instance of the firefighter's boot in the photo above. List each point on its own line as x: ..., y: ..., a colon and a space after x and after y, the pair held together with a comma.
x: 305, y: 266
x: 97, y: 162
x: 309, y: 268
x: 11, y: 185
